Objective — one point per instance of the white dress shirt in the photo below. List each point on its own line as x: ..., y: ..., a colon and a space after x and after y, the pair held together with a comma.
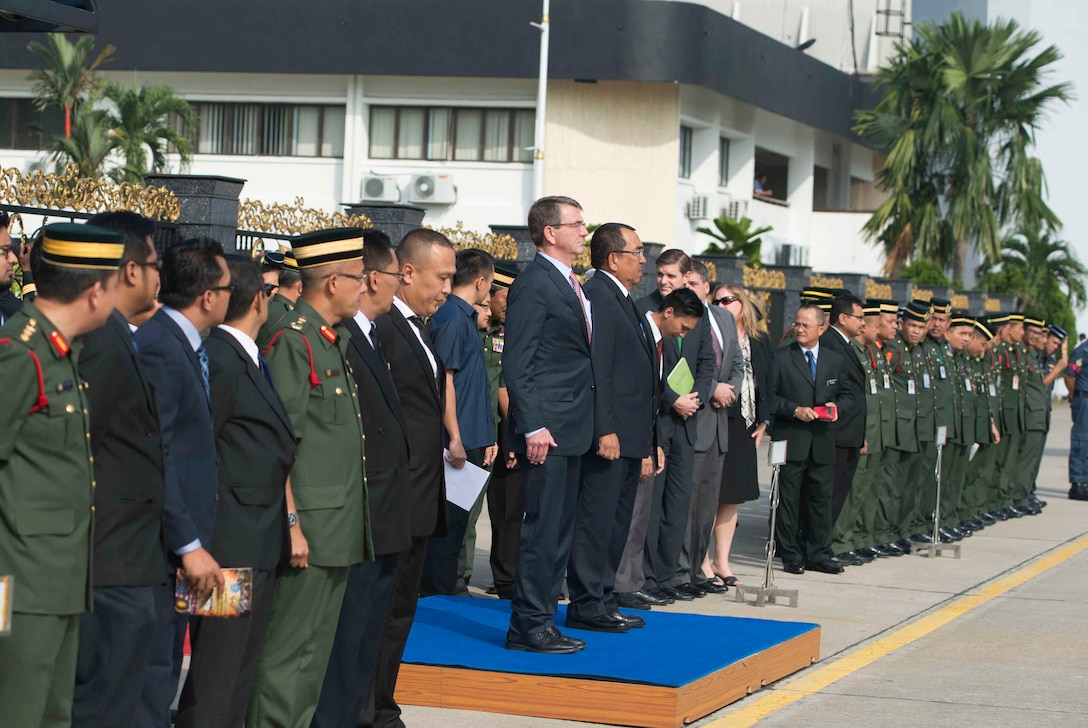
x: 408, y: 314
x: 566, y: 271
x: 248, y: 344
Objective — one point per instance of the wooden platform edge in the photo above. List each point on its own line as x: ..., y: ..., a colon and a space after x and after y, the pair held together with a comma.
x: 602, y: 701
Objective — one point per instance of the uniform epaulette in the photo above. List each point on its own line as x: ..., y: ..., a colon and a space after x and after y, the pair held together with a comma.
x: 314, y: 381
x: 43, y: 401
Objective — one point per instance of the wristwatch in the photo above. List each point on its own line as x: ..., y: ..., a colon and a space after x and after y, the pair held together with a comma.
x: 292, y: 519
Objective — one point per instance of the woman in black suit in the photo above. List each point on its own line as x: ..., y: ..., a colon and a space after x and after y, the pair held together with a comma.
x: 749, y: 417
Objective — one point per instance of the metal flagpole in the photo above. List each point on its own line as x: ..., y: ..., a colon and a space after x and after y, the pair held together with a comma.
x: 935, y: 547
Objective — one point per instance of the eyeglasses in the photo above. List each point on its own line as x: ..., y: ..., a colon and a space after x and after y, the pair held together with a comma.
x: 229, y: 287
x: 725, y: 299
x: 854, y: 315
x: 396, y: 274
x: 7, y: 249
x: 353, y: 276
x: 799, y: 325
x: 267, y: 289
x: 636, y: 251
x: 156, y: 264
x: 579, y: 224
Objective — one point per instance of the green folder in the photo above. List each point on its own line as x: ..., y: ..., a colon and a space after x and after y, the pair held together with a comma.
x: 680, y: 379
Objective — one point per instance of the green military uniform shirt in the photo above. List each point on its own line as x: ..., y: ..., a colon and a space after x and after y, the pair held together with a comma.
x: 939, y: 360
x: 494, y: 339
x: 906, y: 368
x: 278, y: 307
x: 964, y: 400
x: 46, y: 469
x: 1036, y: 398
x: 927, y: 365
x: 308, y: 362
x: 879, y: 397
x: 1009, y: 383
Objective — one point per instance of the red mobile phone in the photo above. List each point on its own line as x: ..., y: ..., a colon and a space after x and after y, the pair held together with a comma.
x: 827, y: 413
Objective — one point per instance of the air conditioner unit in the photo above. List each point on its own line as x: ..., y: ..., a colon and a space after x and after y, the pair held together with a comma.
x: 432, y: 189
x: 379, y: 189
x: 792, y: 254
x: 735, y: 209
x: 697, y: 208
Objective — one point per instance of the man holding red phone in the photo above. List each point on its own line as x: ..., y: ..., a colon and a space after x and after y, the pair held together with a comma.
x: 807, y: 374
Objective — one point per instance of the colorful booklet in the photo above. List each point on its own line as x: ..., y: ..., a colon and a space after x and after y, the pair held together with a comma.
x: 5, y: 605
x: 234, y: 600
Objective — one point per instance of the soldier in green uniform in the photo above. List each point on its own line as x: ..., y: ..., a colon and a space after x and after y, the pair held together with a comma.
x: 1011, y: 371
x: 863, y: 500
x: 961, y: 433
x: 980, y: 474
x: 1036, y: 416
x: 46, y: 470
x: 288, y: 287
x: 936, y: 397
x: 328, y: 514
x: 906, y: 360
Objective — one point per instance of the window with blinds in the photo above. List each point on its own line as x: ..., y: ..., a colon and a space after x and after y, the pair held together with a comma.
x: 451, y: 134
x: 270, y: 130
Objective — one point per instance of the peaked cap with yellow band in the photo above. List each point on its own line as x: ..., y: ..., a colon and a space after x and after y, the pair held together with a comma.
x: 1037, y: 323
x: 323, y: 247
x: 289, y: 261
x: 941, y: 305
x: 961, y: 318
x: 504, y: 276
x: 985, y: 327
x: 89, y: 247
x: 917, y: 310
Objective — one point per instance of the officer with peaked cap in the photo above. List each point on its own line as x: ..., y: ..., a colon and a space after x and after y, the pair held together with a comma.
x: 46, y: 470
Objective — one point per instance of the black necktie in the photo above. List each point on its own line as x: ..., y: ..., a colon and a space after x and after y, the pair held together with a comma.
x: 427, y: 343
x: 376, y: 345
x: 263, y: 366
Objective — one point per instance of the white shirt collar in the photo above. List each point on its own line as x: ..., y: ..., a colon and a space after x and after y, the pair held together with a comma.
x: 404, y: 308
x: 844, y: 336
x: 815, y: 350
x: 248, y: 344
x: 364, y: 324
x: 563, y: 268
x: 618, y: 283
x: 653, y: 327
x: 187, y: 327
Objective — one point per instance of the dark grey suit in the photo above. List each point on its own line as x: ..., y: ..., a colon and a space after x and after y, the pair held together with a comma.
x: 549, y: 376
x: 711, y: 443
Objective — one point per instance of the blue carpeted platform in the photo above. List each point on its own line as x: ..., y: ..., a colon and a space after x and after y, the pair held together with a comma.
x: 672, y: 650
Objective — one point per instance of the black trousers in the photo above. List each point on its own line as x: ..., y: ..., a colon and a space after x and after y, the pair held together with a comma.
x: 441, y: 566
x: 224, y: 662
x: 601, y: 522
x: 846, y: 464
x: 163, y: 660
x: 354, y: 658
x: 380, y: 703
x: 551, y: 492
x: 113, y: 646
x: 804, y: 506
x: 670, y: 508
x: 505, y: 508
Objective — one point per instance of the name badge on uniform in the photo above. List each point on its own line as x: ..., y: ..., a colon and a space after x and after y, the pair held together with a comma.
x: 1015, y: 382
x: 872, y: 386
x: 967, y: 384
x: 496, y: 344
x: 944, y: 375
x: 925, y: 380
x: 887, y: 382
x: 910, y: 387
x: 993, y: 390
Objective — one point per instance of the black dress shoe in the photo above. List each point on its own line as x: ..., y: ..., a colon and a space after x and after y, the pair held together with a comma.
x: 1035, y: 501
x: 603, y: 623
x: 580, y: 644
x: 848, y: 558
x: 921, y: 538
x: 677, y: 595
x: 653, y: 597
x: 633, y: 620
x: 693, y: 589
x: 827, y: 566
x: 999, y: 515
x: 891, y: 549
x: 877, y: 552
x: 987, y: 519
x: 713, y: 587
x: 1012, y: 512
x: 1078, y: 491
x: 905, y: 545
x: 793, y: 567
x: 628, y: 600
x: 547, y: 641
x: 865, y: 558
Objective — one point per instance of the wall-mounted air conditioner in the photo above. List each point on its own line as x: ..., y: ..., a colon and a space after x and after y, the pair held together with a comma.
x: 791, y: 254
x: 379, y: 189
x: 697, y: 208
x: 432, y: 189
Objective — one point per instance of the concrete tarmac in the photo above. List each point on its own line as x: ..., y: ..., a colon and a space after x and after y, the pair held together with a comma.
x: 1019, y: 659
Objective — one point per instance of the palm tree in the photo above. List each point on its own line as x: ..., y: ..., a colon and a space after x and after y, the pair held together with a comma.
x: 67, y: 78
x: 736, y: 237
x: 88, y: 145
x: 1042, y: 271
x: 961, y: 105
x: 142, y: 122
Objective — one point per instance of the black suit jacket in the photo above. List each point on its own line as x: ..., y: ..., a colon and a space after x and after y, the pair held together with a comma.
x: 699, y: 352
x: 255, y: 447
x: 546, y: 362
x: 764, y: 365
x: 188, y: 435
x: 850, y: 428
x: 624, y: 369
x: 423, y: 403
x: 128, y: 460
x: 794, y: 388
x: 387, y: 446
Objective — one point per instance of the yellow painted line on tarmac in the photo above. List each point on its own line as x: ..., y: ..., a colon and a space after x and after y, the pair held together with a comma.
x: 815, y: 681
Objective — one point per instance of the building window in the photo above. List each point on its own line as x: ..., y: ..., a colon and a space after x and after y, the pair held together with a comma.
x: 771, y: 182
x: 723, y: 161
x: 270, y: 130
x: 22, y: 125
x: 686, y: 134
x: 451, y: 134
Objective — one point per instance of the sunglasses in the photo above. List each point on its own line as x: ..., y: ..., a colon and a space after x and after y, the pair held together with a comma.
x: 268, y: 288
x: 725, y: 299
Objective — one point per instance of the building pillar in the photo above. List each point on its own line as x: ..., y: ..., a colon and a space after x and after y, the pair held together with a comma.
x: 392, y: 218
x: 209, y: 205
